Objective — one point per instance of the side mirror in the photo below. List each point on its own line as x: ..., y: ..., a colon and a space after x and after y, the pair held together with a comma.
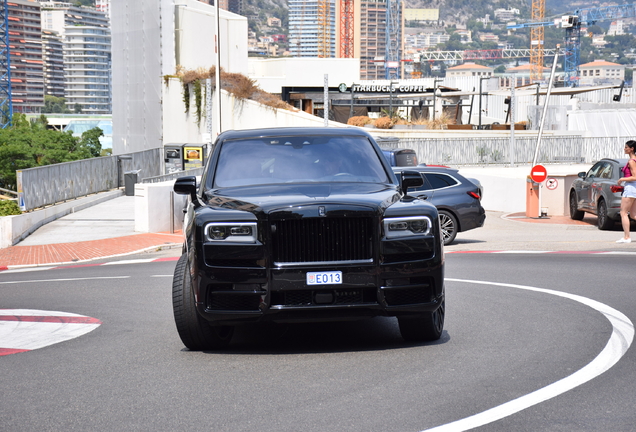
x: 581, y: 174
x: 410, y: 179
x: 186, y: 186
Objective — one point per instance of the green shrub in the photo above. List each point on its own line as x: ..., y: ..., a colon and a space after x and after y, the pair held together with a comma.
x: 8, y: 208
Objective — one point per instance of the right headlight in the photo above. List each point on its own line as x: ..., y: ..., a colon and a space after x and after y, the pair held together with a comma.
x: 240, y: 232
x: 407, y: 226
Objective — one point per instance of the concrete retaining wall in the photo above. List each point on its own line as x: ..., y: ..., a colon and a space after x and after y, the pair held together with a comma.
x: 13, y: 229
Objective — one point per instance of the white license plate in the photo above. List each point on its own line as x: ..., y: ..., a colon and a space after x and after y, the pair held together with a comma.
x: 324, y: 278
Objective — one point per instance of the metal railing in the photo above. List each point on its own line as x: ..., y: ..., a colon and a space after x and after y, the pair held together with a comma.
x: 497, y: 151
x: 57, y: 183
x: 52, y: 184
x: 173, y: 176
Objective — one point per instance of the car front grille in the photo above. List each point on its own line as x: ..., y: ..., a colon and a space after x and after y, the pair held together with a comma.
x: 232, y: 301
x: 338, y: 297
x: 322, y: 240
x: 401, y: 292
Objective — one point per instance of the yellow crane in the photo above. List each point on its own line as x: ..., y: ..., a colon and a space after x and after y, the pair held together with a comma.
x: 536, y: 41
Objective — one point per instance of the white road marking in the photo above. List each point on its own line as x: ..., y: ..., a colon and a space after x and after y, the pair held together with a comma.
x: 63, y: 280
x: 618, y: 344
x: 132, y: 261
x: 28, y: 329
x: 27, y: 269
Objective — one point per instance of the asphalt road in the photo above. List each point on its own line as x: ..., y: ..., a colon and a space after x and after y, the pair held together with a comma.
x: 501, y: 343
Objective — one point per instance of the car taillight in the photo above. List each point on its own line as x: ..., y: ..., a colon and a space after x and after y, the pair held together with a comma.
x: 474, y: 195
x: 616, y: 188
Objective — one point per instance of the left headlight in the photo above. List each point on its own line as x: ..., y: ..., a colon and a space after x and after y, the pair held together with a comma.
x: 407, y: 226
x: 240, y: 232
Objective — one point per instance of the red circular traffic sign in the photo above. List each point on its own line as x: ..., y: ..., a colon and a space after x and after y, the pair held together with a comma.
x: 538, y: 173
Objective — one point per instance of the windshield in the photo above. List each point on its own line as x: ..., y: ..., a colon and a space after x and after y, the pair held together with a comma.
x: 297, y: 160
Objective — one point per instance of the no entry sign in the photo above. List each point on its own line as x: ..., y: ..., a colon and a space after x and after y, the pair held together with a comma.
x: 538, y: 173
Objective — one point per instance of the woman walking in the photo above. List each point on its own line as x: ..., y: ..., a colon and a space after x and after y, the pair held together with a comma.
x: 628, y: 201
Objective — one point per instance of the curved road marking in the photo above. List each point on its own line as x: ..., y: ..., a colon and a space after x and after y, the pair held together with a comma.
x: 618, y: 344
x: 27, y: 329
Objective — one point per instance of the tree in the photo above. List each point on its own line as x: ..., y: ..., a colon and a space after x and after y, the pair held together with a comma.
x: 77, y: 108
x: 27, y: 145
x: 54, y: 104
x: 90, y: 141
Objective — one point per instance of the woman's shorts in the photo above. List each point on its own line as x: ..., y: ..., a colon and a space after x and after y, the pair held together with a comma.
x: 630, y: 190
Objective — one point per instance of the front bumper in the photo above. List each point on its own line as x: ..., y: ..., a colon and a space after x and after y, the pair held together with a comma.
x: 232, y: 296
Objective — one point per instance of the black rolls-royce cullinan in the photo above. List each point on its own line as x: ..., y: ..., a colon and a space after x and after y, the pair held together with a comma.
x: 305, y: 225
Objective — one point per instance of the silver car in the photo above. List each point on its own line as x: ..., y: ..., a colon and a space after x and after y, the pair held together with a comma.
x: 598, y: 192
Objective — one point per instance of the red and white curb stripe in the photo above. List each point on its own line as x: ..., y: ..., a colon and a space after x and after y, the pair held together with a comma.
x: 27, y: 329
x: 21, y: 268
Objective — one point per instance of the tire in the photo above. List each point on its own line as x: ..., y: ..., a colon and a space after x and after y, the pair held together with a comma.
x: 448, y: 225
x: 604, y: 222
x: 427, y: 328
x: 195, y: 332
x: 575, y: 213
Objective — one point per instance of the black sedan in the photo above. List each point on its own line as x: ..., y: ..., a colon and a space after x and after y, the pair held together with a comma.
x: 597, y: 191
x: 300, y: 225
x: 458, y: 199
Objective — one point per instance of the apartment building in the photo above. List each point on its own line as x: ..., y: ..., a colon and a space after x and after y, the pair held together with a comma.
x: 103, y: 6
x: 53, y: 57
x: 601, y: 72
x: 25, y: 51
x: 469, y: 69
x: 312, y: 28
x: 85, y: 34
x: 371, y: 37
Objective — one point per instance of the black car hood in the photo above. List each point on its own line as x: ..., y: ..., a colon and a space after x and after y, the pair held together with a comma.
x: 270, y: 198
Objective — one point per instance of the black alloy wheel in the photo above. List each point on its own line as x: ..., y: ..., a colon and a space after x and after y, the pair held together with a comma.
x: 195, y: 332
x: 448, y: 225
x: 427, y: 328
x: 604, y: 222
x: 575, y: 213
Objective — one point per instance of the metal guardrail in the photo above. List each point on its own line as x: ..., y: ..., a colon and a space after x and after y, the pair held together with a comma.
x: 173, y: 176
x: 7, y: 191
x: 52, y: 184
x: 497, y: 151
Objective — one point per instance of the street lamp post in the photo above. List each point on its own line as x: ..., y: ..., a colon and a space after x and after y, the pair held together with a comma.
x: 480, y: 94
x: 435, y: 81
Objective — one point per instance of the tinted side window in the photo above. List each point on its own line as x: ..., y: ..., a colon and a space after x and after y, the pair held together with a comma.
x: 593, y: 172
x: 605, y: 172
x: 406, y: 158
x: 439, y: 181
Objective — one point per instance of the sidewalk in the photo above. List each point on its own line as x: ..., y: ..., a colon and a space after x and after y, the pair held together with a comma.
x: 107, y: 230
x: 101, y: 231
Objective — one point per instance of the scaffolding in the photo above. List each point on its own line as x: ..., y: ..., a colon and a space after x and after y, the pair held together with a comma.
x: 6, y: 104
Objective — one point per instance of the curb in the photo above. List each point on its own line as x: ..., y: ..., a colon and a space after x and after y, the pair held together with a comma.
x: 66, y: 263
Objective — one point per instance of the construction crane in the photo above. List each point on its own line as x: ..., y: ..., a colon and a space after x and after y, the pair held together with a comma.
x: 6, y: 104
x: 479, y: 54
x: 346, y: 29
x: 572, y: 25
x: 324, y: 25
x: 536, y: 41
